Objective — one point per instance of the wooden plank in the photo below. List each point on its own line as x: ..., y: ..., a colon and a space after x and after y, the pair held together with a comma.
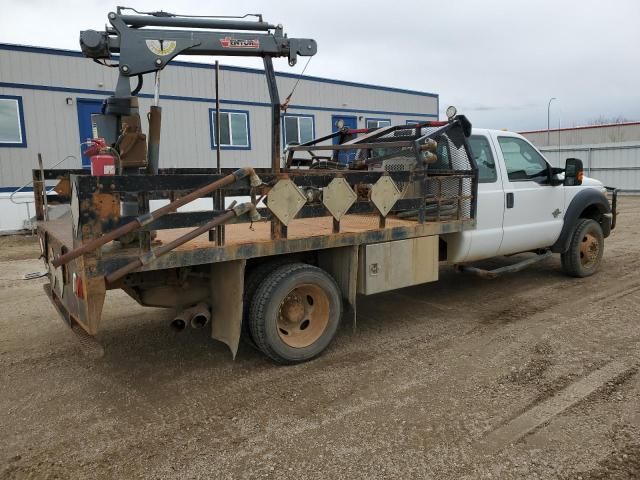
x: 544, y: 412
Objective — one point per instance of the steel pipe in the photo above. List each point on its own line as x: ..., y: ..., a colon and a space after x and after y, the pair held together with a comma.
x: 154, y: 254
x: 151, y: 216
x: 201, y: 315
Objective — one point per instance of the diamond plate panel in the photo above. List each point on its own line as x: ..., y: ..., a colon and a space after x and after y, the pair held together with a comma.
x: 285, y: 200
x: 338, y: 197
x: 385, y: 194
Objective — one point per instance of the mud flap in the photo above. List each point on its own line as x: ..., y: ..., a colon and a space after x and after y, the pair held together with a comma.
x: 89, y: 344
x: 227, y: 290
x: 342, y: 264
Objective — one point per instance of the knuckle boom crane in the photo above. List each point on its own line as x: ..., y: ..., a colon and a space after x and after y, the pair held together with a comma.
x: 147, y: 41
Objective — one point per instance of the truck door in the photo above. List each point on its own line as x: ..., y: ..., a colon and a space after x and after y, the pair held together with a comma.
x: 533, y: 208
x: 484, y: 240
x: 487, y: 236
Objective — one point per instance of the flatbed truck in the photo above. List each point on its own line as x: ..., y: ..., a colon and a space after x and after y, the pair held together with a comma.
x: 285, y: 268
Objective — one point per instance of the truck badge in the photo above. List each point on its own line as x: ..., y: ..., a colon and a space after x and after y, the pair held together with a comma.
x: 555, y: 213
x: 228, y: 42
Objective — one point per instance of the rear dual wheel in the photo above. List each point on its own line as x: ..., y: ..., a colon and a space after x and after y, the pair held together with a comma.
x: 252, y: 282
x: 294, y: 313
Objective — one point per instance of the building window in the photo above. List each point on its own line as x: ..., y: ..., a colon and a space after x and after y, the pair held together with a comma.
x: 298, y: 129
x: 377, y: 122
x: 234, y: 129
x: 413, y: 122
x: 12, y: 132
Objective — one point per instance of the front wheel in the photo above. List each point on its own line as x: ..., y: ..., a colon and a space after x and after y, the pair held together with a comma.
x: 295, y: 313
x: 585, y: 249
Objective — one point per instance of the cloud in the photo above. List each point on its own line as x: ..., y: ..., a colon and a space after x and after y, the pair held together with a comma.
x: 498, y: 60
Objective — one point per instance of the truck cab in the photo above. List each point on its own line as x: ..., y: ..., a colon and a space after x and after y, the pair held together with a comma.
x: 524, y: 204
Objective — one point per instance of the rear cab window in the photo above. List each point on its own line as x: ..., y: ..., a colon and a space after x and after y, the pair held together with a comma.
x: 481, y: 150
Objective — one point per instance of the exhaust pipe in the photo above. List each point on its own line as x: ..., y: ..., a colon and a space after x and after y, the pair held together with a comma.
x: 197, y: 316
x: 178, y: 324
x: 201, y: 315
x: 182, y: 319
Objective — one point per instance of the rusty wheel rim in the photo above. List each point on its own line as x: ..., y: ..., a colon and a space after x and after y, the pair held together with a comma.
x: 303, y: 315
x: 589, y: 250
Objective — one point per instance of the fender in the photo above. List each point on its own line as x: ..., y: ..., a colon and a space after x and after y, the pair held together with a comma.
x: 591, y: 199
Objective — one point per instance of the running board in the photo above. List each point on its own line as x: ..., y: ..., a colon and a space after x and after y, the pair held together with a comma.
x: 516, y: 267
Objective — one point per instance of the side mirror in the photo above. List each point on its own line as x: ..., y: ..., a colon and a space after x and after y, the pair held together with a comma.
x: 573, y: 172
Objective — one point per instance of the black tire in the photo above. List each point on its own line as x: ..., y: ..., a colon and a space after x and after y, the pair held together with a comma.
x: 252, y: 281
x: 585, y: 249
x: 295, y: 313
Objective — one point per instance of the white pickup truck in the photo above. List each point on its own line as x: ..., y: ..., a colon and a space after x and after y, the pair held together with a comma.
x: 525, y: 205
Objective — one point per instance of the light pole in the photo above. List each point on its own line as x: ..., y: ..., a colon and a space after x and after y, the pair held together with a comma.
x: 549, y: 118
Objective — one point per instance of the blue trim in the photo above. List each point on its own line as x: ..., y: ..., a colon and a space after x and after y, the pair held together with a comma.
x: 376, y: 120
x: 84, y: 91
x: 230, y: 68
x: 23, y: 130
x: 355, y: 110
x: 13, y: 189
x: 299, y: 115
x: 229, y: 147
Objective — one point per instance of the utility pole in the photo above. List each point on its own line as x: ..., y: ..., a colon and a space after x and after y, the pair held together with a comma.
x: 549, y: 118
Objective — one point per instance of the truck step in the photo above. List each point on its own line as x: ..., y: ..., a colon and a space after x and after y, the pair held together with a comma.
x: 516, y: 267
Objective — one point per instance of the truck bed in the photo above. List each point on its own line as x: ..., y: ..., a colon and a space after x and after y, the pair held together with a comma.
x: 243, y: 241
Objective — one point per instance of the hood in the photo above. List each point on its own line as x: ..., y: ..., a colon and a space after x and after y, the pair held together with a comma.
x: 587, y: 182
x: 591, y: 182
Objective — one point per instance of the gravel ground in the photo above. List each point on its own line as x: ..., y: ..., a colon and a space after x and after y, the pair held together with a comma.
x: 430, y: 372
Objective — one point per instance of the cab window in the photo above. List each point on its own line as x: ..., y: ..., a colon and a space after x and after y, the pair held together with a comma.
x: 484, y: 158
x: 523, y: 162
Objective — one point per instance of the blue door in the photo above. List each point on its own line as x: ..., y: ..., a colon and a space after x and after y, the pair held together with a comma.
x: 86, y: 106
x: 344, y: 156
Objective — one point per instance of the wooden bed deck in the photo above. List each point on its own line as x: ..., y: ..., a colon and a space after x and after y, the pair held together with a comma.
x: 242, y: 233
x: 243, y: 240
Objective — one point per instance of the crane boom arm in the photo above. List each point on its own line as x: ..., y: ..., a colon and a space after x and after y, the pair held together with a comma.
x: 145, y: 50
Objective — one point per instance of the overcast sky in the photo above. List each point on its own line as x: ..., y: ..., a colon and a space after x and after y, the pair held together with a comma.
x: 498, y: 61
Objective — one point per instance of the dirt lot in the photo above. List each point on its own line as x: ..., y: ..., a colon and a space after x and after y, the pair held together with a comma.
x: 431, y: 372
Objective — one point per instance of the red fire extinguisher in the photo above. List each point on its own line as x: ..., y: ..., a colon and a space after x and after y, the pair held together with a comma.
x: 102, y: 162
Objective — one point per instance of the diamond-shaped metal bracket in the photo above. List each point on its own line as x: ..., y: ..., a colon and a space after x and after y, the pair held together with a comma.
x: 338, y: 197
x: 385, y: 194
x: 285, y: 200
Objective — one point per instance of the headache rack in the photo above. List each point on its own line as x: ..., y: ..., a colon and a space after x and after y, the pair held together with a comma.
x: 442, y: 181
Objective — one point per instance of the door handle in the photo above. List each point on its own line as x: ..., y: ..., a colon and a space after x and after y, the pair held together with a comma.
x: 510, y: 200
